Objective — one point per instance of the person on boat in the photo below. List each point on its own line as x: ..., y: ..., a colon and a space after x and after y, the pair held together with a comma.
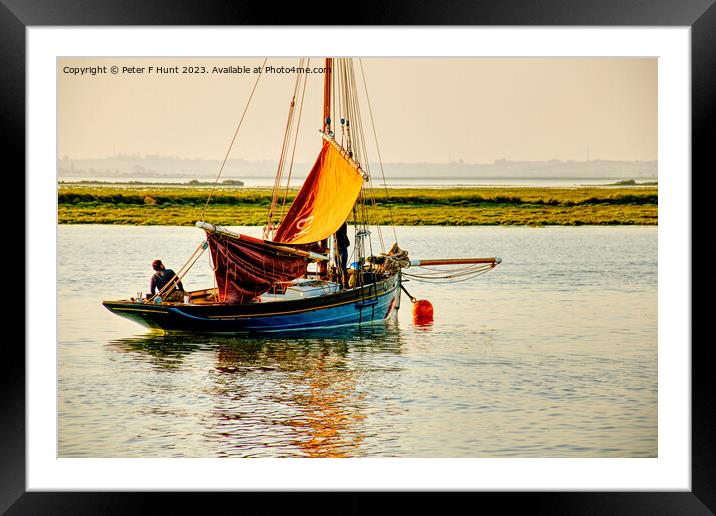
x: 342, y: 244
x: 161, y: 277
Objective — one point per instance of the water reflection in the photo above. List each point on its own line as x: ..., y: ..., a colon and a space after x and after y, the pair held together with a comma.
x: 286, y: 395
x: 553, y: 353
x: 423, y: 324
x: 164, y: 350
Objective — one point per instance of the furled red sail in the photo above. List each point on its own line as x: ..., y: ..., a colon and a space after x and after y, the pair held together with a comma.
x: 326, y: 198
x: 246, y: 268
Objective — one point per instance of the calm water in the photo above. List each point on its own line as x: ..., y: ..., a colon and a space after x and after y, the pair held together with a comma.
x: 551, y: 354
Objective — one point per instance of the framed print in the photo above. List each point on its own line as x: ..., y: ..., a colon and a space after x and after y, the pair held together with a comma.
x: 101, y: 93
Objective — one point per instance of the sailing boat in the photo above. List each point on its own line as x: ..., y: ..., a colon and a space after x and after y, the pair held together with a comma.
x: 297, y: 277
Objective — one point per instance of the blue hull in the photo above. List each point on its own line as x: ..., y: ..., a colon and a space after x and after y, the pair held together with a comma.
x: 360, y: 306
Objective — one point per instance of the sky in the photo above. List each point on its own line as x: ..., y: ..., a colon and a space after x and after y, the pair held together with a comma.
x: 432, y: 110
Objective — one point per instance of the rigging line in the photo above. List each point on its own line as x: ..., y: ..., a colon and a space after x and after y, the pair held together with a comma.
x: 346, y: 137
x: 341, y: 112
x: 464, y: 275
x: 295, y: 139
x: 332, y: 114
x: 461, y: 270
x: 469, y: 268
x: 377, y: 147
x: 346, y: 108
x: 234, y: 137
x: 281, y: 164
x: 457, y: 277
x: 356, y: 143
x: 284, y: 148
x: 361, y: 147
x: 446, y: 281
x: 476, y: 272
x: 364, y: 155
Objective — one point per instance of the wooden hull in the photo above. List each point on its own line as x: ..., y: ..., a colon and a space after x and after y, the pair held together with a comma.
x: 369, y: 304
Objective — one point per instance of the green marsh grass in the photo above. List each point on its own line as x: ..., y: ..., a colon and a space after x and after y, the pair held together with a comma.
x: 237, y: 206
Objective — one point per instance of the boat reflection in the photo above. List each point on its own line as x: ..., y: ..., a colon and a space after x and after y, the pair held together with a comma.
x: 164, y: 350
x: 287, y: 396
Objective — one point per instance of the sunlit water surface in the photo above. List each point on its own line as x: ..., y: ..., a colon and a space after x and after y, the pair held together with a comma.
x: 551, y: 354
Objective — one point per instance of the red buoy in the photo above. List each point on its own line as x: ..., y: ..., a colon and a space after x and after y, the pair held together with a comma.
x: 422, y: 311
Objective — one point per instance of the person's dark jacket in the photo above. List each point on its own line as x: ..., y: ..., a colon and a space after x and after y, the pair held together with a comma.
x: 161, y: 278
x: 342, y: 242
x: 342, y: 236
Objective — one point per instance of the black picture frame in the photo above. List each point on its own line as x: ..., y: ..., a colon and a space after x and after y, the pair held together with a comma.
x: 17, y: 15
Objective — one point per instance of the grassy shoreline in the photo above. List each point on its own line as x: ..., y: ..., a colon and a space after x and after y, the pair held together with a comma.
x: 537, y: 206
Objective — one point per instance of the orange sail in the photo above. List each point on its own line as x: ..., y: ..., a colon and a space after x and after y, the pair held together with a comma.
x: 326, y: 198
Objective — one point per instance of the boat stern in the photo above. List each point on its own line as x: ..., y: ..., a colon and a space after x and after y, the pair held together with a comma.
x: 147, y: 315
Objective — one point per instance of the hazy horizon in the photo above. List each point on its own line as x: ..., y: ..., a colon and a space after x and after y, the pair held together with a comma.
x: 121, y: 156
x: 434, y: 110
x: 138, y: 167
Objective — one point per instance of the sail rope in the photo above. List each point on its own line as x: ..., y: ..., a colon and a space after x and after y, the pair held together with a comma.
x: 271, y: 223
x: 396, y: 259
x: 233, y: 139
x: 282, y: 158
x: 442, y: 276
x: 295, y: 140
x: 364, y: 157
x: 371, y: 197
x: 355, y: 143
x: 377, y: 147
